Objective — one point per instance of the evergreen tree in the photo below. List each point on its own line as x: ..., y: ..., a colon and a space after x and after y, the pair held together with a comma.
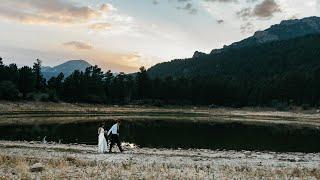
x: 143, y: 83
x: 8, y: 91
x: 26, y: 80
x: 121, y: 88
x: 72, y: 87
x: 40, y: 81
x: 95, y: 85
x: 12, y: 73
x: 55, y: 84
x: 108, y: 77
x: 1, y: 70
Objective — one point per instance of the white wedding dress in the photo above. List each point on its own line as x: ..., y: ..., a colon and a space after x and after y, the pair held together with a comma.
x: 102, y: 142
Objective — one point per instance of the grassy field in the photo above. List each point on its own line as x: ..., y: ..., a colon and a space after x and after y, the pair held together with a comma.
x: 71, y: 161
x: 83, y: 162
x: 46, y: 113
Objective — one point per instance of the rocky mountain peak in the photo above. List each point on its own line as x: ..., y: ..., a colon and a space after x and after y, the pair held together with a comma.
x: 198, y: 54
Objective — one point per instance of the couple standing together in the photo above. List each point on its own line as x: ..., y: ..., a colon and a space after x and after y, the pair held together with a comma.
x: 113, y: 134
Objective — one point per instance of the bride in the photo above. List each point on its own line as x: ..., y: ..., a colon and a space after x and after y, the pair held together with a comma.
x: 102, y: 142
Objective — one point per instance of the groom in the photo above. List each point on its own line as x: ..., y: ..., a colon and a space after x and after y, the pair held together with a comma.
x: 114, y: 136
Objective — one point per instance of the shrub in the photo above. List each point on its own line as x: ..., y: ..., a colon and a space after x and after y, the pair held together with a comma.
x: 8, y: 91
x: 38, y: 97
x: 279, y: 106
x: 158, y: 103
x: 44, y: 97
x: 305, y: 106
x: 91, y: 98
x: 53, y: 96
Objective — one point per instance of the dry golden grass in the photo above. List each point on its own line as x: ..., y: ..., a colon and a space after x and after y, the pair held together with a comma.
x: 15, y: 163
x: 71, y: 168
x: 22, y: 166
x: 19, y: 165
x: 3, y: 158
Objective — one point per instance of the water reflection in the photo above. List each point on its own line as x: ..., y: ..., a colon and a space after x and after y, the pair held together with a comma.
x: 178, y: 134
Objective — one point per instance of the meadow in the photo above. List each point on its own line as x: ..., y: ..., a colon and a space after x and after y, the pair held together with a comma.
x: 242, y: 154
x: 82, y: 161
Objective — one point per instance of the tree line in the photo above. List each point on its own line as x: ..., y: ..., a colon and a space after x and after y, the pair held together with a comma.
x: 91, y: 86
x: 95, y: 86
x: 276, y: 74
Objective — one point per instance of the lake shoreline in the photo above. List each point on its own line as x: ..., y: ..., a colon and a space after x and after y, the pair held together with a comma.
x: 30, y: 113
x: 83, y: 161
x: 175, y: 127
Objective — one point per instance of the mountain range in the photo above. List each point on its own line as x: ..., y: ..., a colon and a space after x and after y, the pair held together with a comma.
x: 270, y: 43
x: 287, y: 41
x: 287, y: 29
x: 66, y: 68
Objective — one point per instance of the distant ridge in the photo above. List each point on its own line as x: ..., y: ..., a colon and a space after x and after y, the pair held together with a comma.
x: 290, y: 44
x: 66, y: 68
x: 287, y: 29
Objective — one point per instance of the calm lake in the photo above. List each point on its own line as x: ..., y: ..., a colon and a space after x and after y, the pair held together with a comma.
x: 179, y: 134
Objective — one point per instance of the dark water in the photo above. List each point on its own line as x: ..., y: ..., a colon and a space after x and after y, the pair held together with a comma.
x: 177, y: 134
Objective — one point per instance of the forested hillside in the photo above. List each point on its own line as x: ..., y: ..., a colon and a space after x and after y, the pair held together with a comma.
x: 286, y: 71
x: 260, y: 61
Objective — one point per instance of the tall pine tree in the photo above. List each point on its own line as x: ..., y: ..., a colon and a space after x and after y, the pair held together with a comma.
x: 39, y: 80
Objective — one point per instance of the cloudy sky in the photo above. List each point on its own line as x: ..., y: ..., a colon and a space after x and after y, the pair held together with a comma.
x: 122, y: 35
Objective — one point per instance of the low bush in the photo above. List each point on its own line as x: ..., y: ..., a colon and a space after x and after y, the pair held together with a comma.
x: 8, y: 91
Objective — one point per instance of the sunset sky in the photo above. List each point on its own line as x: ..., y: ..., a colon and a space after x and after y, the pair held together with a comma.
x: 122, y: 35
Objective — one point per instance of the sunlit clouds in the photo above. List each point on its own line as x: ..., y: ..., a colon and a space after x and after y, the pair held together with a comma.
x: 123, y: 35
x: 100, y: 26
x: 120, y: 62
x: 78, y: 45
x: 48, y: 12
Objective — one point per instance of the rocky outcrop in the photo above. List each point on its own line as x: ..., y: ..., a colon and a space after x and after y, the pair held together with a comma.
x: 264, y: 37
x: 198, y: 54
x: 287, y: 29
